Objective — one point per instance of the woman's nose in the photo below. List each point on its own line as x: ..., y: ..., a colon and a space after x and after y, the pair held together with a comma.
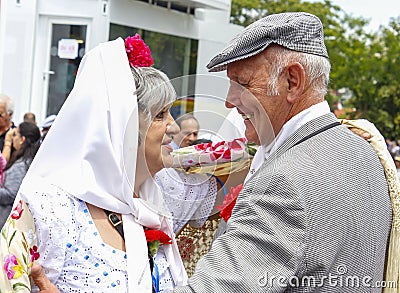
x: 229, y: 105
x: 173, y: 127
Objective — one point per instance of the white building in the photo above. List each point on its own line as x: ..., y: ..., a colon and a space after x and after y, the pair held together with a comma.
x: 43, y: 41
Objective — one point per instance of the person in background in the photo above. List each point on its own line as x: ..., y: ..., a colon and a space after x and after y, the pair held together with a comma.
x: 30, y: 117
x: 189, y: 129
x: 6, y: 112
x: 46, y: 125
x: 397, y: 163
x: 25, y: 141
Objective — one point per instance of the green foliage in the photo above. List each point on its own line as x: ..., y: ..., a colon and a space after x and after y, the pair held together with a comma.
x: 366, y: 65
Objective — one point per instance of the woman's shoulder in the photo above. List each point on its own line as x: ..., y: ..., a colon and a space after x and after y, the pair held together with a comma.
x: 18, y: 164
x: 50, y: 203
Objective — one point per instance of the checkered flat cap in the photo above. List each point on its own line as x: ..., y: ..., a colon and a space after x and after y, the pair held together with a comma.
x: 298, y: 31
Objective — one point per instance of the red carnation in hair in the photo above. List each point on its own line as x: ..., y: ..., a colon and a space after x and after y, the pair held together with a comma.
x: 139, y: 54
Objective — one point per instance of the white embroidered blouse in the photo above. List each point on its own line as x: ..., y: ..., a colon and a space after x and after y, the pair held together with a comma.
x: 70, y: 247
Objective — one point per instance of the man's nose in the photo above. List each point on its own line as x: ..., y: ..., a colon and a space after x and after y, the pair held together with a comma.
x: 233, y: 97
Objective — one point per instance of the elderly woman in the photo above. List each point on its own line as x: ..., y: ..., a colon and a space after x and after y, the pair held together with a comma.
x: 90, y: 191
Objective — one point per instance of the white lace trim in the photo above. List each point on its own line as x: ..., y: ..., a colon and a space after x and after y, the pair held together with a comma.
x: 189, y: 197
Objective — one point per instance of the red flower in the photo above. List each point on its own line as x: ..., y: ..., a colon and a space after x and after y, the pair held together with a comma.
x: 154, y: 238
x: 139, y: 54
x: 34, y: 253
x: 17, y: 211
x: 229, y: 202
x: 157, y: 235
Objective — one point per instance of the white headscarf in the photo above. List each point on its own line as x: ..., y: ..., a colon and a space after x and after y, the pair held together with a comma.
x: 91, y: 152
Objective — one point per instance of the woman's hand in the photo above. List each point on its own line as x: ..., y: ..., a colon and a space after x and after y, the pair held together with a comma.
x: 364, y: 134
x: 40, y: 279
x: 8, y: 142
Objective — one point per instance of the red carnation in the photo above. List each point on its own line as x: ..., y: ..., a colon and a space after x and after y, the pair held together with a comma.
x: 139, y: 54
x: 154, y: 238
x: 229, y: 202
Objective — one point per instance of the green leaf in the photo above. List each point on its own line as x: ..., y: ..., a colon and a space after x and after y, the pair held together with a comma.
x: 18, y: 286
x: 153, y: 247
x: 12, y: 237
x: 3, y: 233
x: 24, y: 257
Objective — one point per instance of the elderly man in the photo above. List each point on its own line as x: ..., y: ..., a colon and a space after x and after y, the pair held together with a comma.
x: 314, y: 213
x: 315, y: 207
x: 6, y: 112
x: 189, y: 130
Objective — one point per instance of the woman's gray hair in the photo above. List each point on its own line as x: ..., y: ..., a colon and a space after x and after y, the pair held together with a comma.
x: 317, y: 68
x: 154, y: 92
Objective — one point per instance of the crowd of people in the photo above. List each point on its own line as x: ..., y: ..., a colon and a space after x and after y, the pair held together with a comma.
x: 393, y: 147
x: 19, y: 146
x: 91, y: 208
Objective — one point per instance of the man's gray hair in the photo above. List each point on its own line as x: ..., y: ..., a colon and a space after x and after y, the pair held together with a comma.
x: 154, y: 91
x: 9, y: 103
x: 316, y: 67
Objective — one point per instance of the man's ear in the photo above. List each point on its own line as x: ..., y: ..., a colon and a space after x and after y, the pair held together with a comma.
x: 296, y: 77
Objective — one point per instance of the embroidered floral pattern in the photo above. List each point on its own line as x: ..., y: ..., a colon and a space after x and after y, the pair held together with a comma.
x: 17, y: 211
x: 18, y: 250
x: 34, y: 253
x: 13, y: 267
x: 222, y: 149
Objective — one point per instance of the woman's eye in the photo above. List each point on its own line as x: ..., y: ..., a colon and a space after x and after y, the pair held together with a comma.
x: 160, y: 115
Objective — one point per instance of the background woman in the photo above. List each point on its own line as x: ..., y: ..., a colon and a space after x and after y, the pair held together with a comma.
x: 102, y: 165
x: 25, y: 141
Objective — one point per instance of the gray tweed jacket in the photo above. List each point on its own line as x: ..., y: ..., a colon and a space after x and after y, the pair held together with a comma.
x: 314, y: 218
x: 13, y: 177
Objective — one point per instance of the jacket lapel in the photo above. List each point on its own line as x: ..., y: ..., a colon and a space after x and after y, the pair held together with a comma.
x: 304, y: 131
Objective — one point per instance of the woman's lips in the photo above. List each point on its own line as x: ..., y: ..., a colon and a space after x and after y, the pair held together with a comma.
x: 167, y: 146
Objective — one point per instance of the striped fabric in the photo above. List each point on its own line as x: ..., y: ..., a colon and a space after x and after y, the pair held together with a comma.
x: 314, y: 212
x: 298, y: 31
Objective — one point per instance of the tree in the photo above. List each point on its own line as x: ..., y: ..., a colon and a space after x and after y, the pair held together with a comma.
x: 366, y: 65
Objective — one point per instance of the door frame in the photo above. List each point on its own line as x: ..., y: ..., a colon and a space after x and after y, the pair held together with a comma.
x: 40, y: 85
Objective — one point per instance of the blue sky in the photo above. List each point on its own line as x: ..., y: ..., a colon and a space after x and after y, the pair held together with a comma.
x: 378, y: 11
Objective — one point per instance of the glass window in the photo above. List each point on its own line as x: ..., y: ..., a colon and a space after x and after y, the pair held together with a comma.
x: 64, y: 67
